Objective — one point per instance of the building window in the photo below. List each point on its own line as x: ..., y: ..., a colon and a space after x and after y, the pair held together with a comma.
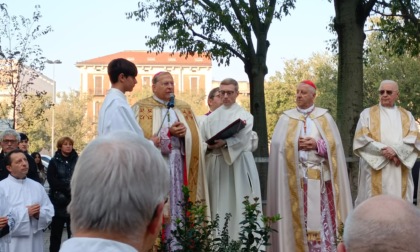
x: 194, y: 85
x: 99, y: 87
x: 97, y: 109
x: 146, y: 82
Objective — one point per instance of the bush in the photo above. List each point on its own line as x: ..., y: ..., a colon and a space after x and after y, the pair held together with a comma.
x: 195, y: 232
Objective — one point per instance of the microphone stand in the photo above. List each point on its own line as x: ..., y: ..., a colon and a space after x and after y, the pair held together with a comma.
x: 163, y: 120
x: 169, y: 105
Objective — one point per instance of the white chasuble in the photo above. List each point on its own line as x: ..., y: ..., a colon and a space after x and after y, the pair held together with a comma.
x: 28, y: 232
x: 381, y: 127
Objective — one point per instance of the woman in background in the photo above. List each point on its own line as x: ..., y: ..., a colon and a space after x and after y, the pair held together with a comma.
x: 42, y: 173
x: 59, y: 173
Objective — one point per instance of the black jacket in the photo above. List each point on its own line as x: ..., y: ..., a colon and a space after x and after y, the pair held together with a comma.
x: 59, y: 173
x: 32, y: 172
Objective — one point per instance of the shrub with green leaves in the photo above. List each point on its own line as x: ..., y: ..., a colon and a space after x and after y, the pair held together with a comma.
x: 195, y: 232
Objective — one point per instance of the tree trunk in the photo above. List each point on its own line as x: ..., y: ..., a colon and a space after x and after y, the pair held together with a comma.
x: 256, y: 75
x: 349, y: 26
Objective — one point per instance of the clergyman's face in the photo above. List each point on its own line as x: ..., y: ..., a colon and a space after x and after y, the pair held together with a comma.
x: 9, y: 143
x: 228, y: 93
x: 305, y: 96
x: 216, y: 101
x: 19, y: 166
x: 388, y: 94
x: 164, y: 86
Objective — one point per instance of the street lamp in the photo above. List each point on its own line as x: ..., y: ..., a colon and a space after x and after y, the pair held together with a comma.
x: 53, y: 62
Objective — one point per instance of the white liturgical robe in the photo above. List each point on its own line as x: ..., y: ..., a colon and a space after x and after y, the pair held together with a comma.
x: 381, y: 127
x: 116, y: 114
x: 6, y: 211
x: 231, y: 172
x: 27, y: 235
x: 94, y: 245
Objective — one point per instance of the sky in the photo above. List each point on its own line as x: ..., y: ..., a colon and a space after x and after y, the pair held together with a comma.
x: 89, y: 29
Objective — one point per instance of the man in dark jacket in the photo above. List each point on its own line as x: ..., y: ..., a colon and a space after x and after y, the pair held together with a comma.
x: 9, y: 140
x: 59, y: 173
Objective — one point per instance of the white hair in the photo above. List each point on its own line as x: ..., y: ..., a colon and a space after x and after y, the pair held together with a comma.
x: 394, y: 83
x: 10, y: 132
x: 118, y: 182
x: 383, y: 223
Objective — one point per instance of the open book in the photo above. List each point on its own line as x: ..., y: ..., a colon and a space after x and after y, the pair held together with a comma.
x: 228, y: 131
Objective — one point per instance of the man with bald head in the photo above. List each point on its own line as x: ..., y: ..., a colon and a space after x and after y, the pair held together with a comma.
x: 307, y: 177
x: 382, y: 223
x: 386, y: 140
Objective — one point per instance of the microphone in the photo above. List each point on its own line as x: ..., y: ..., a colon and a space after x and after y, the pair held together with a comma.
x: 171, y: 102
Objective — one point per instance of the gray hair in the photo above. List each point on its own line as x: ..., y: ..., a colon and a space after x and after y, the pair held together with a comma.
x: 383, y: 223
x: 10, y: 132
x: 394, y: 83
x: 118, y: 182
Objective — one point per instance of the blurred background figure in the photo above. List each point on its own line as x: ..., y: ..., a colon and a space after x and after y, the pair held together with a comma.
x: 23, y: 143
x: 42, y: 172
x: 59, y: 173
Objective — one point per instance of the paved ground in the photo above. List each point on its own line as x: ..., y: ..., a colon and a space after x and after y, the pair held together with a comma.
x: 47, y: 239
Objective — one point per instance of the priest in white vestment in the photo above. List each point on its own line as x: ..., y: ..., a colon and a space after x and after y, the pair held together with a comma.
x: 307, y: 178
x: 231, y: 170
x: 387, y: 142
x: 29, y: 202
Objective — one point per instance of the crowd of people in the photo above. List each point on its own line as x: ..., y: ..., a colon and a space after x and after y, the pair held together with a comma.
x: 127, y: 184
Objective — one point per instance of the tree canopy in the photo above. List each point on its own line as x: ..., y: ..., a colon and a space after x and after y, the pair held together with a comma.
x: 21, y: 60
x: 220, y: 29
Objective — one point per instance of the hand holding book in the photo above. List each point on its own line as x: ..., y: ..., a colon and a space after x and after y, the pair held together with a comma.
x: 228, y: 131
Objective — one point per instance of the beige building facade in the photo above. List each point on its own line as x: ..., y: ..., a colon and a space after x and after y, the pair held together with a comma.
x: 192, y: 75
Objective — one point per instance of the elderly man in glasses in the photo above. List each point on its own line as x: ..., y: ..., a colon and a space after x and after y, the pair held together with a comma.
x: 387, y: 142
x: 9, y: 141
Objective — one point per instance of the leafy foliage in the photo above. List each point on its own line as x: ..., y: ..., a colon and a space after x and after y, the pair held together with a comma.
x: 201, y: 26
x: 70, y: 119
x: 20, y: 60
x: 384, y: 64
x: 280, y: 90
x: 220, y: 29
x: 32, y: 120
x: 195, y: 233
x: 399, y: 26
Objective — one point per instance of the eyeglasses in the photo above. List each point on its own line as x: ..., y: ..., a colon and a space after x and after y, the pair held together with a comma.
x: 9, y: 141
x: 388, y: 92
x: 229, y: 93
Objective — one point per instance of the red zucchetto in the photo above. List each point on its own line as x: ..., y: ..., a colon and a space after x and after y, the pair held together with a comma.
x: 308, y: 82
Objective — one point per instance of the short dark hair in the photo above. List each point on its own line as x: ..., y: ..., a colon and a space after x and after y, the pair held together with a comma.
x: 8, y: 159
x: 23, y: 137
x: 121, y: 66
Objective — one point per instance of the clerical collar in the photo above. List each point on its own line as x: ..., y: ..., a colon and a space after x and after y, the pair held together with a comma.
x: 160, y: 100
x: 306, y: 111
x: 17, y: 178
